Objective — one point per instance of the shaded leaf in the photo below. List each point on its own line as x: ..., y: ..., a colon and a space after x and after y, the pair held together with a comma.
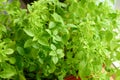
x: 28, y: 43
x: 12, y: 60
x: 109, y: 36
x: 20, y: 50
x: 21, y: 77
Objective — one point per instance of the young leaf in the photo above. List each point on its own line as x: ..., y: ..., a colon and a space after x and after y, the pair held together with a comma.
x: 53, y: 47
x: 52, y: 25
x: 29, y: 32
x: 55, y: 59
x: 52, y: 53
x: 9, y: 51
x: 43, y: 42
x: 57, y: 38
x: 60, y: 53
x: 57, y: 18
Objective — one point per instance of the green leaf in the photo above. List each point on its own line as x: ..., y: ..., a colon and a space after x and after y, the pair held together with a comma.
x: 71, y: 26
x: 20, y: 50
x: 49, y: 32
x: 57, y: 38
x: 109, y: 36
x: 60, y: 53
x: 28, y: 43
x: 55, y: 59
x: 52, y: 69
x: 21, y: 77
x: 57, y: 18
x: 12, y: 60
x: 29, y: 32
x: 52, y: 53
x: 29, y: 8
x: 32, y: 68
x: 6, y: 74
x: 52, y: 25
x: 43, y: 42
x: 55, y: 32
x: 41, y: 60
x: 53, y: 47
x: 8, y: 71
x: 3, y: 28
x: 9, y: 51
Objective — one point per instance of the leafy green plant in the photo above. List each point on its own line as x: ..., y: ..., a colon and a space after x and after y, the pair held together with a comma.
x: 50, y: 40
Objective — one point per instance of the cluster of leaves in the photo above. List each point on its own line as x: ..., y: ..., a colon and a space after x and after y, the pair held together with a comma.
x: 52, y: 39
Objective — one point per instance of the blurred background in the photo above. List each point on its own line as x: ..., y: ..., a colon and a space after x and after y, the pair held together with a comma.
x: 117, y: 4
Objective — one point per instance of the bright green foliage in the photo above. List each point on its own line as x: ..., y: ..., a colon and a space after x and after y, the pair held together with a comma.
x: 52, y: 39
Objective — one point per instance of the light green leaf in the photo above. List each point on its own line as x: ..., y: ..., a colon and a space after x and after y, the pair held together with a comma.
x: 3, y: 28
x: 57, y: 18
x: 55, y: 59
x: 29, y: 8
x: 71, y: 26
x: 49, y: 32
x: 52, y: 25
x: 29, y: 32
x: 57, y: 38
x: 35, y: 38
x: 41, y: 60
x: 9, y: 51
x: 55, y: 32
x: 60, y: 53
x: 117, y: 75
x: 108, y: 36
x: 8, y: 71
x: 52, y: 53
x: 53, y: 47
x: 7, y: 74
x: 43, y: 42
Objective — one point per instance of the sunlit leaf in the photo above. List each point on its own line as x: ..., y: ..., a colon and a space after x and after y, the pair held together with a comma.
x: 9, y: 51
x: 55, y: 59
